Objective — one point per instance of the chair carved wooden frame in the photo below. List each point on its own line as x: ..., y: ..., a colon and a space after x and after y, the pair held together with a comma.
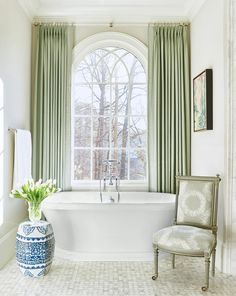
x: 194, y: 232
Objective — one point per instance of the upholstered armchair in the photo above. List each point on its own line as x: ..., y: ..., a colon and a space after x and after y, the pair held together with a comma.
x: 194, y: 232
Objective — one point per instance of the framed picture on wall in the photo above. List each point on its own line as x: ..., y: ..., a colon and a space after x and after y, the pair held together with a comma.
x: 202, y: 101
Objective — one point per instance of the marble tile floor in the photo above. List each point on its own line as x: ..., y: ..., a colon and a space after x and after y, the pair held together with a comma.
x: 68, y: 278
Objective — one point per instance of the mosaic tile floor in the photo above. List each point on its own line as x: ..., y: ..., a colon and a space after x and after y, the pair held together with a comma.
x: 67, y: 278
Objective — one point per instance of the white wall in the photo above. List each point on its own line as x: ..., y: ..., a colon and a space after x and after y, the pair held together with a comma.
x: 139, y: 32
x: 207, y: 51
x: 231, y: 136
x: 15, y: 54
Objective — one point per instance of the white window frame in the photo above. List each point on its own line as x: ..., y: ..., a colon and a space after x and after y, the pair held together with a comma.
x: 89, y: 45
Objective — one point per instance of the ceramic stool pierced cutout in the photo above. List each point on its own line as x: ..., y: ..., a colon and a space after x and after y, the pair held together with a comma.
x: 35, y: 246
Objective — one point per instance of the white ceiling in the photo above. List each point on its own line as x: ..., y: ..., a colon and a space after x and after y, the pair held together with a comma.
x: 117, y: 11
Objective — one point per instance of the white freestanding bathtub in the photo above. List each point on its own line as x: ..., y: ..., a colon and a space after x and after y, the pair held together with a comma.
x: 86, y: 229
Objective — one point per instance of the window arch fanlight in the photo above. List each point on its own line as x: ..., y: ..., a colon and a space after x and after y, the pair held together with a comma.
x: 109, y: 107
x: 106, y: 39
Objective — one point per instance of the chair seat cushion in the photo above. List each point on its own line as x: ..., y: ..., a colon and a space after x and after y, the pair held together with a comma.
x: 186, y: 240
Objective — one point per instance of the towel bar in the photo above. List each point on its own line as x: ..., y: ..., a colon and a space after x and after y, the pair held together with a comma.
x: 14, y: 130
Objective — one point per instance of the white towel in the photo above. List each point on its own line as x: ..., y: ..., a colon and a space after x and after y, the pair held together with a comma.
x: 22, y: 157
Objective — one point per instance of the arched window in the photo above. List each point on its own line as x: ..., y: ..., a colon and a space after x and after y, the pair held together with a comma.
x: 1, y: 149
x: 109, y: 108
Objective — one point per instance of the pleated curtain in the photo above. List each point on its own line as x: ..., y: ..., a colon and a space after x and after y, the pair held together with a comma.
x: 169, y: 105
x: 51, y: 102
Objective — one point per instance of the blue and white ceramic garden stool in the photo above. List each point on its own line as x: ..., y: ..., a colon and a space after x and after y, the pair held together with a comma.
x: 35, y: 246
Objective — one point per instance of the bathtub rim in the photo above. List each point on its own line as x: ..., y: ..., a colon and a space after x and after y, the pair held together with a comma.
x: 58, y: 203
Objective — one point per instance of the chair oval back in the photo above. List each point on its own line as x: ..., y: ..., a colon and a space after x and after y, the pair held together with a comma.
x: 196, y: 203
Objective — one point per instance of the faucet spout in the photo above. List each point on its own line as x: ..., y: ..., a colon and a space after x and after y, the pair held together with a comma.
x: 110, y: 181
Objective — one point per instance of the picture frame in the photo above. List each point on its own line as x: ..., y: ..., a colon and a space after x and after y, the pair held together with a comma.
x: 203, y: 101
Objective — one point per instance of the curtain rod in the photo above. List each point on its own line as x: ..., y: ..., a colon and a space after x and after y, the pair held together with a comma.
x: 111, y: 24
x: 170, y: 24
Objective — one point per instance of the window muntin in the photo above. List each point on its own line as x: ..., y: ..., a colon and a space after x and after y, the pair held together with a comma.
x: 109, y: 114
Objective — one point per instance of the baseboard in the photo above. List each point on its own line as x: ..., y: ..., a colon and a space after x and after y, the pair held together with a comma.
x: 7, y: 246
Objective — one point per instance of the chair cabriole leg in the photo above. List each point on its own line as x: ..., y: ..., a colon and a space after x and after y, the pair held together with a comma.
x: 213, y: 262
x: 156, y: 252
x: 207, y: 268
x: 173, y: 261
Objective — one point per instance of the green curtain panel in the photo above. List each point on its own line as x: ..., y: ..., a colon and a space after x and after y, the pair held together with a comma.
x: 169, y: 105
x: 51, y: 102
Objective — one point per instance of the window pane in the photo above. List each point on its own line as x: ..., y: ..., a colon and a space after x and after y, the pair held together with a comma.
x: 137, y: 130
x: 83, y: 99
x: 119, y: 73
x: 101, y: 132
x: 120, y: 99
x: 120, y: 52
x: 120, y: 132
x: 111, y: 59
x: 93, y: 58
x: 138, y: 165
x: 101, y: 99
x: 82, y: 132
x: 83, y: 73
x: 138, y: 94
x: 139, y: 73
x: 99, y: 156
x: 101, y: 73
x: 131, y: 63
x: 81, y: 164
